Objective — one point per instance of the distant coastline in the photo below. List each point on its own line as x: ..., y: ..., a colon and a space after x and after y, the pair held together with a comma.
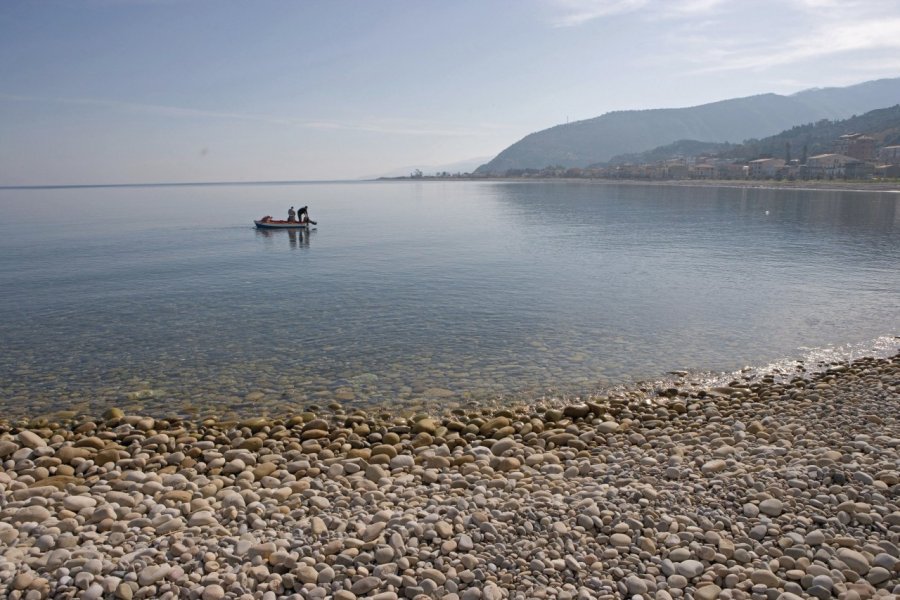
x: 79, y: 186
x: 892, y: 186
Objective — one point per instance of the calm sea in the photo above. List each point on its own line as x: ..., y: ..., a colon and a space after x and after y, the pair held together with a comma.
x: 421, y: 296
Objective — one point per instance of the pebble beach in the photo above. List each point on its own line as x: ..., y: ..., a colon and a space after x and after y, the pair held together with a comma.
x: 776, y: 488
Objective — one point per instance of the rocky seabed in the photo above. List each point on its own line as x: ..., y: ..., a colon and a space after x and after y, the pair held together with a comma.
x: 764, y: 490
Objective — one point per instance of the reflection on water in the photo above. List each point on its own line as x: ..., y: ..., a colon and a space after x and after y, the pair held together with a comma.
x: 683, y: 205
x: 145, y: 301
x: 296, y: 237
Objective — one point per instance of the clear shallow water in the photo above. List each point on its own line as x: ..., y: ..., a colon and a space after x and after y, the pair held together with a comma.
x: 418, y: 296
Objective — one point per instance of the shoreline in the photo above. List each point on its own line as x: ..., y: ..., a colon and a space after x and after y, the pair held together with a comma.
x: 159, y: 398
x: 750, y: 489
x: 892, y: 187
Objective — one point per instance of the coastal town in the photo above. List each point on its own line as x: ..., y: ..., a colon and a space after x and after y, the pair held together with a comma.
x: 854, y: 156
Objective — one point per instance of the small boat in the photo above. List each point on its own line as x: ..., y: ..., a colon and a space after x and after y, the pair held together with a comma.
x: 270, y: 223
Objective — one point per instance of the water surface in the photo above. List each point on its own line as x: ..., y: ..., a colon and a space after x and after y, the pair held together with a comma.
x: 423, y: 295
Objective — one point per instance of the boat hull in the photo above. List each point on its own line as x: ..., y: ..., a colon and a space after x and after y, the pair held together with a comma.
x: 280, y: 225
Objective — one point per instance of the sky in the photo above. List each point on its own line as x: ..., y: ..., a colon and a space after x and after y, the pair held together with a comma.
x: 139, y: 91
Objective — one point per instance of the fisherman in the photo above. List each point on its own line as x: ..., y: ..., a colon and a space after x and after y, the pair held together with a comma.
x: 292, y: 215
x: 303, y: 214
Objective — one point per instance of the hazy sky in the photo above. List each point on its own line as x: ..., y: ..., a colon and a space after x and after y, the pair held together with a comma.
x: 201, y: 90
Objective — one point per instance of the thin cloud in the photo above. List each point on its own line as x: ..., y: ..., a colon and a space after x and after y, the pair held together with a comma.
x: 690, y: 7
x: 385, y: 126
x: 842, y: 38
x: 819, y: 4
x: 572, y: 13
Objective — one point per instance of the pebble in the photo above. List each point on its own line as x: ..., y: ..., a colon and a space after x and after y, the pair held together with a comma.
x: 714, y: 466
x: 213, y: 591
x: 202, y: 518
x: 30, y: 439
x: 78, y: 503
x: 307, y: 574
x: 765, y: 577
x: 689, y: 568
x: 854, y: 560
x: 152, y: 574
x: 707, y: 592
x: 771, y: 507
x: 36, y: 514
x: 365, y: 585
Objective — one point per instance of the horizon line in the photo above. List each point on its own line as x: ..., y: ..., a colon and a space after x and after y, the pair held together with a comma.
x: 176, y: 184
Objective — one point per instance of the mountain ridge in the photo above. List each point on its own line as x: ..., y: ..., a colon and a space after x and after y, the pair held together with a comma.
x: 598, y: 139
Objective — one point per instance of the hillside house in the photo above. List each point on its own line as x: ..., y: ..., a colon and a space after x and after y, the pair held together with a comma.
x: 855, y: 145
x: 887, y: 171
x: 889, y: 155
x: 676, y: 168
x: 729, y: 170
x: 703, y: 171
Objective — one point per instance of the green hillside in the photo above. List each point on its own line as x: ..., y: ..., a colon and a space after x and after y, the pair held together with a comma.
x: 816, y: 138
x: 673, y: 150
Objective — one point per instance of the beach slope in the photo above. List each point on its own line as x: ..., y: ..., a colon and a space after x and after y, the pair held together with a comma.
x: 765, y: 489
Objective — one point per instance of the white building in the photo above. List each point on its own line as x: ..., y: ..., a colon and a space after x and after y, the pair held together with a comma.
x: 765, y: 168
x: 830, y: 166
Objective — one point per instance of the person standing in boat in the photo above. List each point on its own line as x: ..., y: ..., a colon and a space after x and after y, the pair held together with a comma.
x: 303, y: 214
x: 292, y: 215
